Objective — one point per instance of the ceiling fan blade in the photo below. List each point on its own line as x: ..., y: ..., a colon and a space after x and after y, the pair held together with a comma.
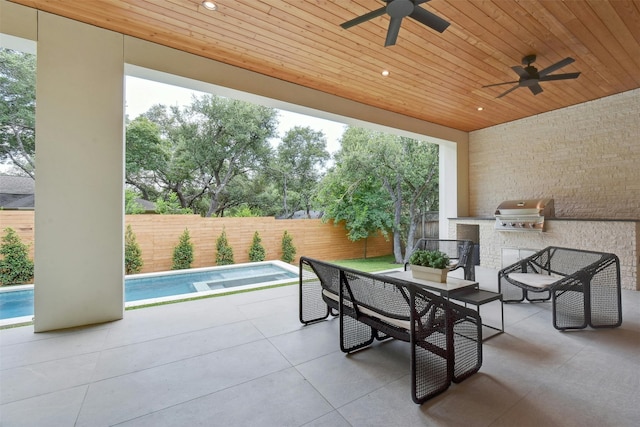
x: 364, y: 18
x: 392, y: 33
x: 566, y: 76
x: 429, y: 19
x: 520, y: 71
x: 507, y: 92
x: 535, y: 89
x: 500, y: 84
x: 556, y: 66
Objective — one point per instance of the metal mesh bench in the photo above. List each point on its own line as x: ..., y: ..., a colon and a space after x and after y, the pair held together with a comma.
x: 445, y: 338
x: 584, y: 286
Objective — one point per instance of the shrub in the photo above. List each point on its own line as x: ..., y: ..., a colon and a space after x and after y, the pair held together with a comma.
x: 433, y: 259
x: 15, y: 265
x: 183, y: 253
x: 256, y: 251
x: 288, y: 250
x: 131, y: 206
x: 224, y: 252
x: 132, y: 253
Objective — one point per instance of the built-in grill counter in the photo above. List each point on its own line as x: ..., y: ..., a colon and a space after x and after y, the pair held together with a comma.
x: 523, y: 215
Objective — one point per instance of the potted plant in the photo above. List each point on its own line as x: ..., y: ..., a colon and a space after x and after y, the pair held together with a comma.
x: 429, y: 265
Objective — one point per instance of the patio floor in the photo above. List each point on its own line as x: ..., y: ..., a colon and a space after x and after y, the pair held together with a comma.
x: 245, y: 360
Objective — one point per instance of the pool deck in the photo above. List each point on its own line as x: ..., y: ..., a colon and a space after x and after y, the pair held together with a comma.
x: 245, y: 360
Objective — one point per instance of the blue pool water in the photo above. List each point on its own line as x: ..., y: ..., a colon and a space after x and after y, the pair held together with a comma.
x: 149, y: 286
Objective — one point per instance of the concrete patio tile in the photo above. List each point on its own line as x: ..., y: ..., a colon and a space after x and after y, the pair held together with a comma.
x: 147, y: 354
x: 60, y: 408
x: 54, y: 347
x: 309, y: 342
x: 283, y: 398
x: 139, y: 393
x: 343, y: 378
x: 332, y: 419
x: 36, y: 379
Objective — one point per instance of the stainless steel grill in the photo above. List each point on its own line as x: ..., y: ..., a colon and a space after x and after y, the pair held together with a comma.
x: 523, y: 215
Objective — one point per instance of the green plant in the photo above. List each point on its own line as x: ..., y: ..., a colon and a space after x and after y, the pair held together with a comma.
x: 288, y: 250
x: 132, y: 253
x: 171, y: 206
x: 131, y: 206
x: 256, y: 250
x: 224, y: 252
x: 15, y: 265
x: 183, y: 253
x: 433, y: 259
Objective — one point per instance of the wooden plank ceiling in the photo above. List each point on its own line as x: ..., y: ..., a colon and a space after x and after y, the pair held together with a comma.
x: 434, y: 77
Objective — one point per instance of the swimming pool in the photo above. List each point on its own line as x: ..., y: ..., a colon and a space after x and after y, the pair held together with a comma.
x: 16, y: 302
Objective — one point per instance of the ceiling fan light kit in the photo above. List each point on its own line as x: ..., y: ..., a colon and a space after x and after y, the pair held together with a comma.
x: 397, y: 11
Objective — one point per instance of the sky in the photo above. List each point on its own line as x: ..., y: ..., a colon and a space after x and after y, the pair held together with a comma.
x: 141, y: 94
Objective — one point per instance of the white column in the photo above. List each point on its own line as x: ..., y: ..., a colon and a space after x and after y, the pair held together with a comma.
x: 79, y: 175
x: 448, y: 186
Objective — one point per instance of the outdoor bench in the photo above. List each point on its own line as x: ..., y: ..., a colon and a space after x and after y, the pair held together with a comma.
x: 445, y: 338
x: 584, y: 286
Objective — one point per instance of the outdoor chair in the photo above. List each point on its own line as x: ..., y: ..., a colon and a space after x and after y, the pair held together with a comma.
x: 584, y: 286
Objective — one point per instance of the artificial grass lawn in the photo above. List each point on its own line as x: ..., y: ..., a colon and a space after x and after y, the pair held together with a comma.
x: 369, y: 265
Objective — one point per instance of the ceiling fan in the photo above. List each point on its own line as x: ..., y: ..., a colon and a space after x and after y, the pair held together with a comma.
x: 397, y: 10
x: 530, y: 76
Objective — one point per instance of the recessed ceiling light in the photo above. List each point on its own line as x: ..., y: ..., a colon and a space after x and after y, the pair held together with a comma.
x: 385, y: 73
x: 209, y: 5
x: 480, y: 108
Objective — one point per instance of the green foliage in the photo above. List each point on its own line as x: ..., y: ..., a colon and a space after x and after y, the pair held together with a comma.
x: 296, y: 167
x: 17, y: 109
x: 256, y: 250
x: 15, y: 265
x: 288, y: 250
x: 381, y: 182
x: 183, y: 253
x: 243, y: 211
x: 171, y: 206
x: 433, y: 259
x: 132, y: 253
x: 224, y: 252
x: 131, y: 206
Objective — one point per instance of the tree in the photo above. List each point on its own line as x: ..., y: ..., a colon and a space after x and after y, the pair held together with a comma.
x: 171, y: 206
x: 147, y: 157
x: 183, y: 252
x: 221, y: 139
x: 17, y: 110
x: 256, y: 250
x: 407, y: 171
x: 132, y: 253
x: 297, y: 166
x: 288, y: 249
x: 15, y: 265
x: 224, y: 252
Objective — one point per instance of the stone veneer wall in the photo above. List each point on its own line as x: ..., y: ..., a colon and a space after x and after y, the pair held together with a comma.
x: 586, y: 157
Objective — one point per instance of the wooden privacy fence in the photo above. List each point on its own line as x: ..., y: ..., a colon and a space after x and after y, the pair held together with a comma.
x: 158, y: 235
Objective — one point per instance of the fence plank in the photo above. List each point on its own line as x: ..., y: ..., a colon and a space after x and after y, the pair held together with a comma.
x: 157, y: 235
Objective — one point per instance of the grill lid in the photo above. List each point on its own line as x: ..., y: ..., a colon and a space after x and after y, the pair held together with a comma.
x: 523, y: 215
x: 538, y: 207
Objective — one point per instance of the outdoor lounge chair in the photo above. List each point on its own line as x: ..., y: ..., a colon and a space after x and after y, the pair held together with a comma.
x: 584, y: 286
